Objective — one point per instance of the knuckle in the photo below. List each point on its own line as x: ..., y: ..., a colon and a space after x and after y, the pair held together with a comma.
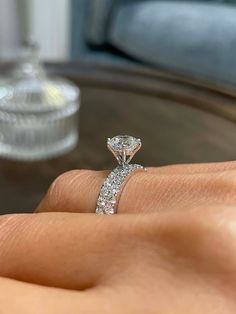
x: 214, y: 236
x: 61, y: 181
x: 203, y: 233
x: 62, y: 185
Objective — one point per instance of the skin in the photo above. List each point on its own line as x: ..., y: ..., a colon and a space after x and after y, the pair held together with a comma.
x: 171, y: 248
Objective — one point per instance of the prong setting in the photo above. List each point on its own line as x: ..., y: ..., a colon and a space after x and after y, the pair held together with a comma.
x: 124, y: 147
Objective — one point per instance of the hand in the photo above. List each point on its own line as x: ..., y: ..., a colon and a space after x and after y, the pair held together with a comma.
x: 175, y: 254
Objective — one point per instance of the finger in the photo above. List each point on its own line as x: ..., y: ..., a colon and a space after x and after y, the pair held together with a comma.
x: 73, y: 191
x: 77, y: 191
x: 64, y: 250
x: 194, y: 168
x: 197, y: 255
x: 20, y: 297
x: 177, y: 192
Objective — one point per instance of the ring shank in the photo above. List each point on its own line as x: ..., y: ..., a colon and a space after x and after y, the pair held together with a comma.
x: 112, y: 188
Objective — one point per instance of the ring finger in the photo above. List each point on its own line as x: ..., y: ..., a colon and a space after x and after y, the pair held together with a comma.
x: 157, y: 189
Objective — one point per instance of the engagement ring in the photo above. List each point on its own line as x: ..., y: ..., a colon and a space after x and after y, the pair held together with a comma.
x: 124, y: 148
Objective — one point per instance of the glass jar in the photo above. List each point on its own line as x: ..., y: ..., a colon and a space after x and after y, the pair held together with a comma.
x: 38, y: 114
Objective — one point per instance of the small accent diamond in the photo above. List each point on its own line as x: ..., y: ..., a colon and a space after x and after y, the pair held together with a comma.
x: 111, y: 188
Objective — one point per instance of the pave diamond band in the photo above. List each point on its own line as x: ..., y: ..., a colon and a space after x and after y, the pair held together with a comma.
x: 123, y: 147
x: 112, y: 187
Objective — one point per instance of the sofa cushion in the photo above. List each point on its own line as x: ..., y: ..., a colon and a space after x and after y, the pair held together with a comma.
x: 196, y: 39
x: 98, y: 12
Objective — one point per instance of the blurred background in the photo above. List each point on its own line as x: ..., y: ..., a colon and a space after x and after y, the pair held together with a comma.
x: 74, y: 72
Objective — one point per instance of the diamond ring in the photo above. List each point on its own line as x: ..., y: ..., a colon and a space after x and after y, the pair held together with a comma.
x: 123, y: 147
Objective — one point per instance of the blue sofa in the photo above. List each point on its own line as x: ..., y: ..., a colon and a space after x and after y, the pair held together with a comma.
x: 193, y: 39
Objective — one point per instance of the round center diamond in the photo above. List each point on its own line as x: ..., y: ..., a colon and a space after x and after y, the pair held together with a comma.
x: 118, y: 142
